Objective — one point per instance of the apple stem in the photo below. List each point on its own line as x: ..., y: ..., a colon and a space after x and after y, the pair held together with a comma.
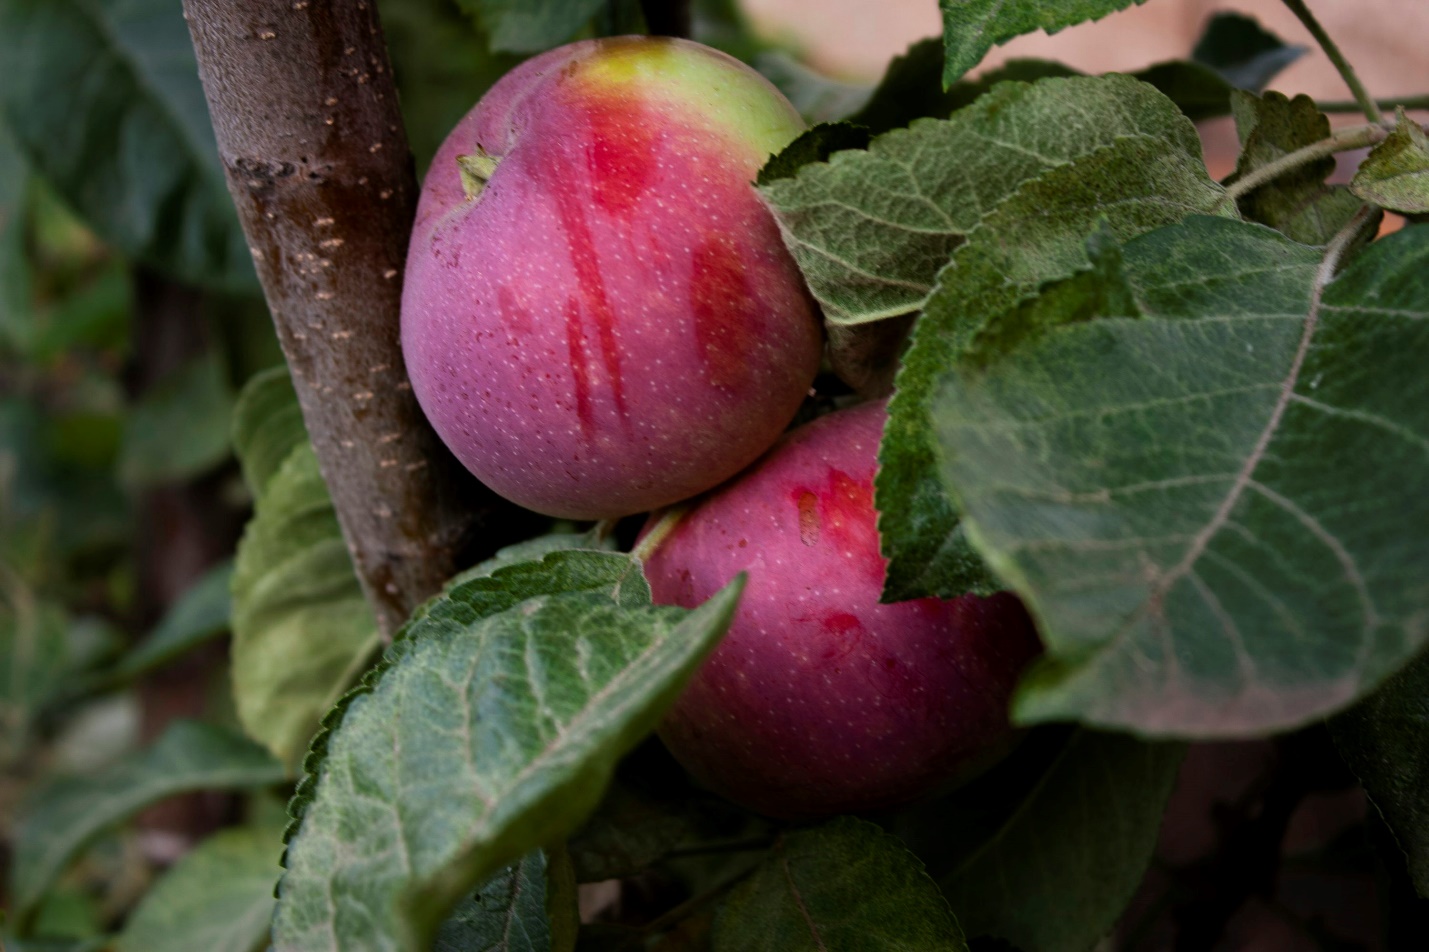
x: 646, y: 547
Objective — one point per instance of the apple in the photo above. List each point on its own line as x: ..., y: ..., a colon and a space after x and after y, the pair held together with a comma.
x: 599, y: 316
x: 820, y: 700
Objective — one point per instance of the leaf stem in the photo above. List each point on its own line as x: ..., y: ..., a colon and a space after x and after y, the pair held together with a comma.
x: 1388, y: 105
x: 1339, y: 244
x: 1366, y: 104
x: 646, y: 547
x: 1355, y: 137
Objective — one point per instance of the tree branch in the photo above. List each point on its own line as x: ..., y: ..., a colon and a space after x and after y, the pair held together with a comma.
x: 302, y: 99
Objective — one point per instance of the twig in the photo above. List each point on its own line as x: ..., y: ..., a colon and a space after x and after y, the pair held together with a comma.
x: 1367, y: 105
x: 1387, y: 105
x: 1355, y: 137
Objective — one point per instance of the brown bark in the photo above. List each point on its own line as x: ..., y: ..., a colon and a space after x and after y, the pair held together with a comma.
x: 302, y: 99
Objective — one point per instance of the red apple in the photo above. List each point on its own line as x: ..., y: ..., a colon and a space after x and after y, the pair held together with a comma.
x: 820, y: 700
x: 599, y: 315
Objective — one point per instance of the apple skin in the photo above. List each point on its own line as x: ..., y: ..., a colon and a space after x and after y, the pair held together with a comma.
x: 612, y: 323
x: 820, y: 700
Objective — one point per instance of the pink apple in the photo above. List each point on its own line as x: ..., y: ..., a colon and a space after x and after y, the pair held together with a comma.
x: 820, y: 700
x: 599, y: 316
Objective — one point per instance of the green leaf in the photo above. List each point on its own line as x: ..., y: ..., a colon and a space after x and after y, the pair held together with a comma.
x: 1395, y: 175
x: 68, y: 914
x: 200, y: 614
x: 629, y: 832
x: 533, y: 550
x: 1060, y: 869
x: 66, y: 815
x: 507, y: 913
x: 1233, y: 53
x: 301, y: 625
x: 218, y: 898
x: 1137, y: 183
x: 844, y: 885
x: 180, y: 428
x: 104, y: 99
x: 1243, y: 52
x: 1385, y: 740
x: 865, y: 356
x: 490, y: 727
x: 1205, y: 493
x: 15, y: 292
x: 267, y: 426
x: 33, y: 660
x: 92, y: 944
x: 813, y: 145
x: 530, y: 26
x: 95, y: 315
x: 912, y: 87
x: 871, y: 230
x: 1298, y: 203
x: 972, y: 27
x: 1197, y: 90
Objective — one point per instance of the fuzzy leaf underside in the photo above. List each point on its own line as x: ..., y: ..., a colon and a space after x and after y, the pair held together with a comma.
x: 1395, y: 175
x: 267, y: 426
x: 491, y: 727
x: 1206, y: 493
x: 300, y: 621
x: 1299, y: 203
